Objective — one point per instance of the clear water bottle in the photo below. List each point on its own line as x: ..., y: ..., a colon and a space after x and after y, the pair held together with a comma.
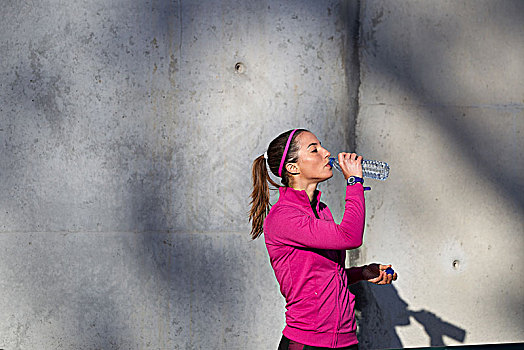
x: 373, y: 169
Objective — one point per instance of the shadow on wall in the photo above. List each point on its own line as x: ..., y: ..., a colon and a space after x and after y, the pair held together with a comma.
x: 380, y: 309
x: 458, y: 108
x: 194, y: 295
x: 197, y: 277
x: 460, y: 120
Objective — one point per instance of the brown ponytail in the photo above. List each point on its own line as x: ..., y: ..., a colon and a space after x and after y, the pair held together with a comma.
x: 260, y: 195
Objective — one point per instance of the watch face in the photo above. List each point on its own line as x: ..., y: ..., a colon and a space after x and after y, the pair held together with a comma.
x: 354, y: 179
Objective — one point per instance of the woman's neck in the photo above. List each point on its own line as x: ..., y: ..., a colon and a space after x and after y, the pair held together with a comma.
x: 309, y: 188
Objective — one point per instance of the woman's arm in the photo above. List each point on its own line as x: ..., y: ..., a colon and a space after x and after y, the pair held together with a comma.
x: 291, y: 226
x: 374, y: 273
x: 354, y: 274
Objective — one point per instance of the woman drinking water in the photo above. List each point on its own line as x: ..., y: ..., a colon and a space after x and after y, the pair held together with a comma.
x: 307, y: 249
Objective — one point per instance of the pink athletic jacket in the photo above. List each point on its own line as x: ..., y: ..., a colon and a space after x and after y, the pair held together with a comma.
x: 308, y: 256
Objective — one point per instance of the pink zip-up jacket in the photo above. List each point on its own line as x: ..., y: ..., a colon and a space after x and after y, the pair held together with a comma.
x: 308, y: 257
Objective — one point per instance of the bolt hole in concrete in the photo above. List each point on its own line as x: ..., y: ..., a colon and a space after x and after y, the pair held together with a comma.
x: 456, y: 264
x: 240, y: 68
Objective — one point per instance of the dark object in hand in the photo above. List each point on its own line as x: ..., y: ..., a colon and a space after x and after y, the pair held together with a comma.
x: 371, y: 271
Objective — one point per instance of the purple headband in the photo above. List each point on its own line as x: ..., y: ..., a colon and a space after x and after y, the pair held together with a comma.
x: 285, y: 153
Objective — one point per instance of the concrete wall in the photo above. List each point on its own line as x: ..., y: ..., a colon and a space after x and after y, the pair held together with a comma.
x: 442, y: 100
x: 127, y: 138
x: 126, y: 141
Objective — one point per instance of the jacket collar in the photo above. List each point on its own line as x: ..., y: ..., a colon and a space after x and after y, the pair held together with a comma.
x: 290, y: 195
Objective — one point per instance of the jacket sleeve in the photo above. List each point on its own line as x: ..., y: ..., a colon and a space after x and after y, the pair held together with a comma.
x: 291, y: 226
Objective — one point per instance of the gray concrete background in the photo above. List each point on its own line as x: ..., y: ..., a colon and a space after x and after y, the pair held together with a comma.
x: 126, y: 141
x: 442, y: 99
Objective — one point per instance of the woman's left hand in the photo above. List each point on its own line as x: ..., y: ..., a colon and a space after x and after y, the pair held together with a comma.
x: 383, y: 277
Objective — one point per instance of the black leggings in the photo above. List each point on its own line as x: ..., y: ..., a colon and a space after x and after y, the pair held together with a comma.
x: 287, y: 344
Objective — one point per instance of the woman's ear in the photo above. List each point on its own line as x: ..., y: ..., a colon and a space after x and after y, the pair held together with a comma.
x: 292, y: 168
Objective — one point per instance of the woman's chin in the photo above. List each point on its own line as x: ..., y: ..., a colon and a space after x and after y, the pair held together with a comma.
x: 328, y: 176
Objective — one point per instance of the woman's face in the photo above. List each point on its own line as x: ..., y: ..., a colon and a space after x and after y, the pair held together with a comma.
x: 313, y: 159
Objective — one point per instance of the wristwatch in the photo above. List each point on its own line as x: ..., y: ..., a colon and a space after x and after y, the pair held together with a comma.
x: 354, y: 179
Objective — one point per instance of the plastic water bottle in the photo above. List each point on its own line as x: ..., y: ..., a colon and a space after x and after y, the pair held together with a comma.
x: 373, y: 169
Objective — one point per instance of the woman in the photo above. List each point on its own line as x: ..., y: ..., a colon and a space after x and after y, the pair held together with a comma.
x: 306, y: 247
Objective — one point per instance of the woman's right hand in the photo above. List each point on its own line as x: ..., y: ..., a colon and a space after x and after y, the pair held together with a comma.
x: 376, y: 273
x: 351, y: 164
